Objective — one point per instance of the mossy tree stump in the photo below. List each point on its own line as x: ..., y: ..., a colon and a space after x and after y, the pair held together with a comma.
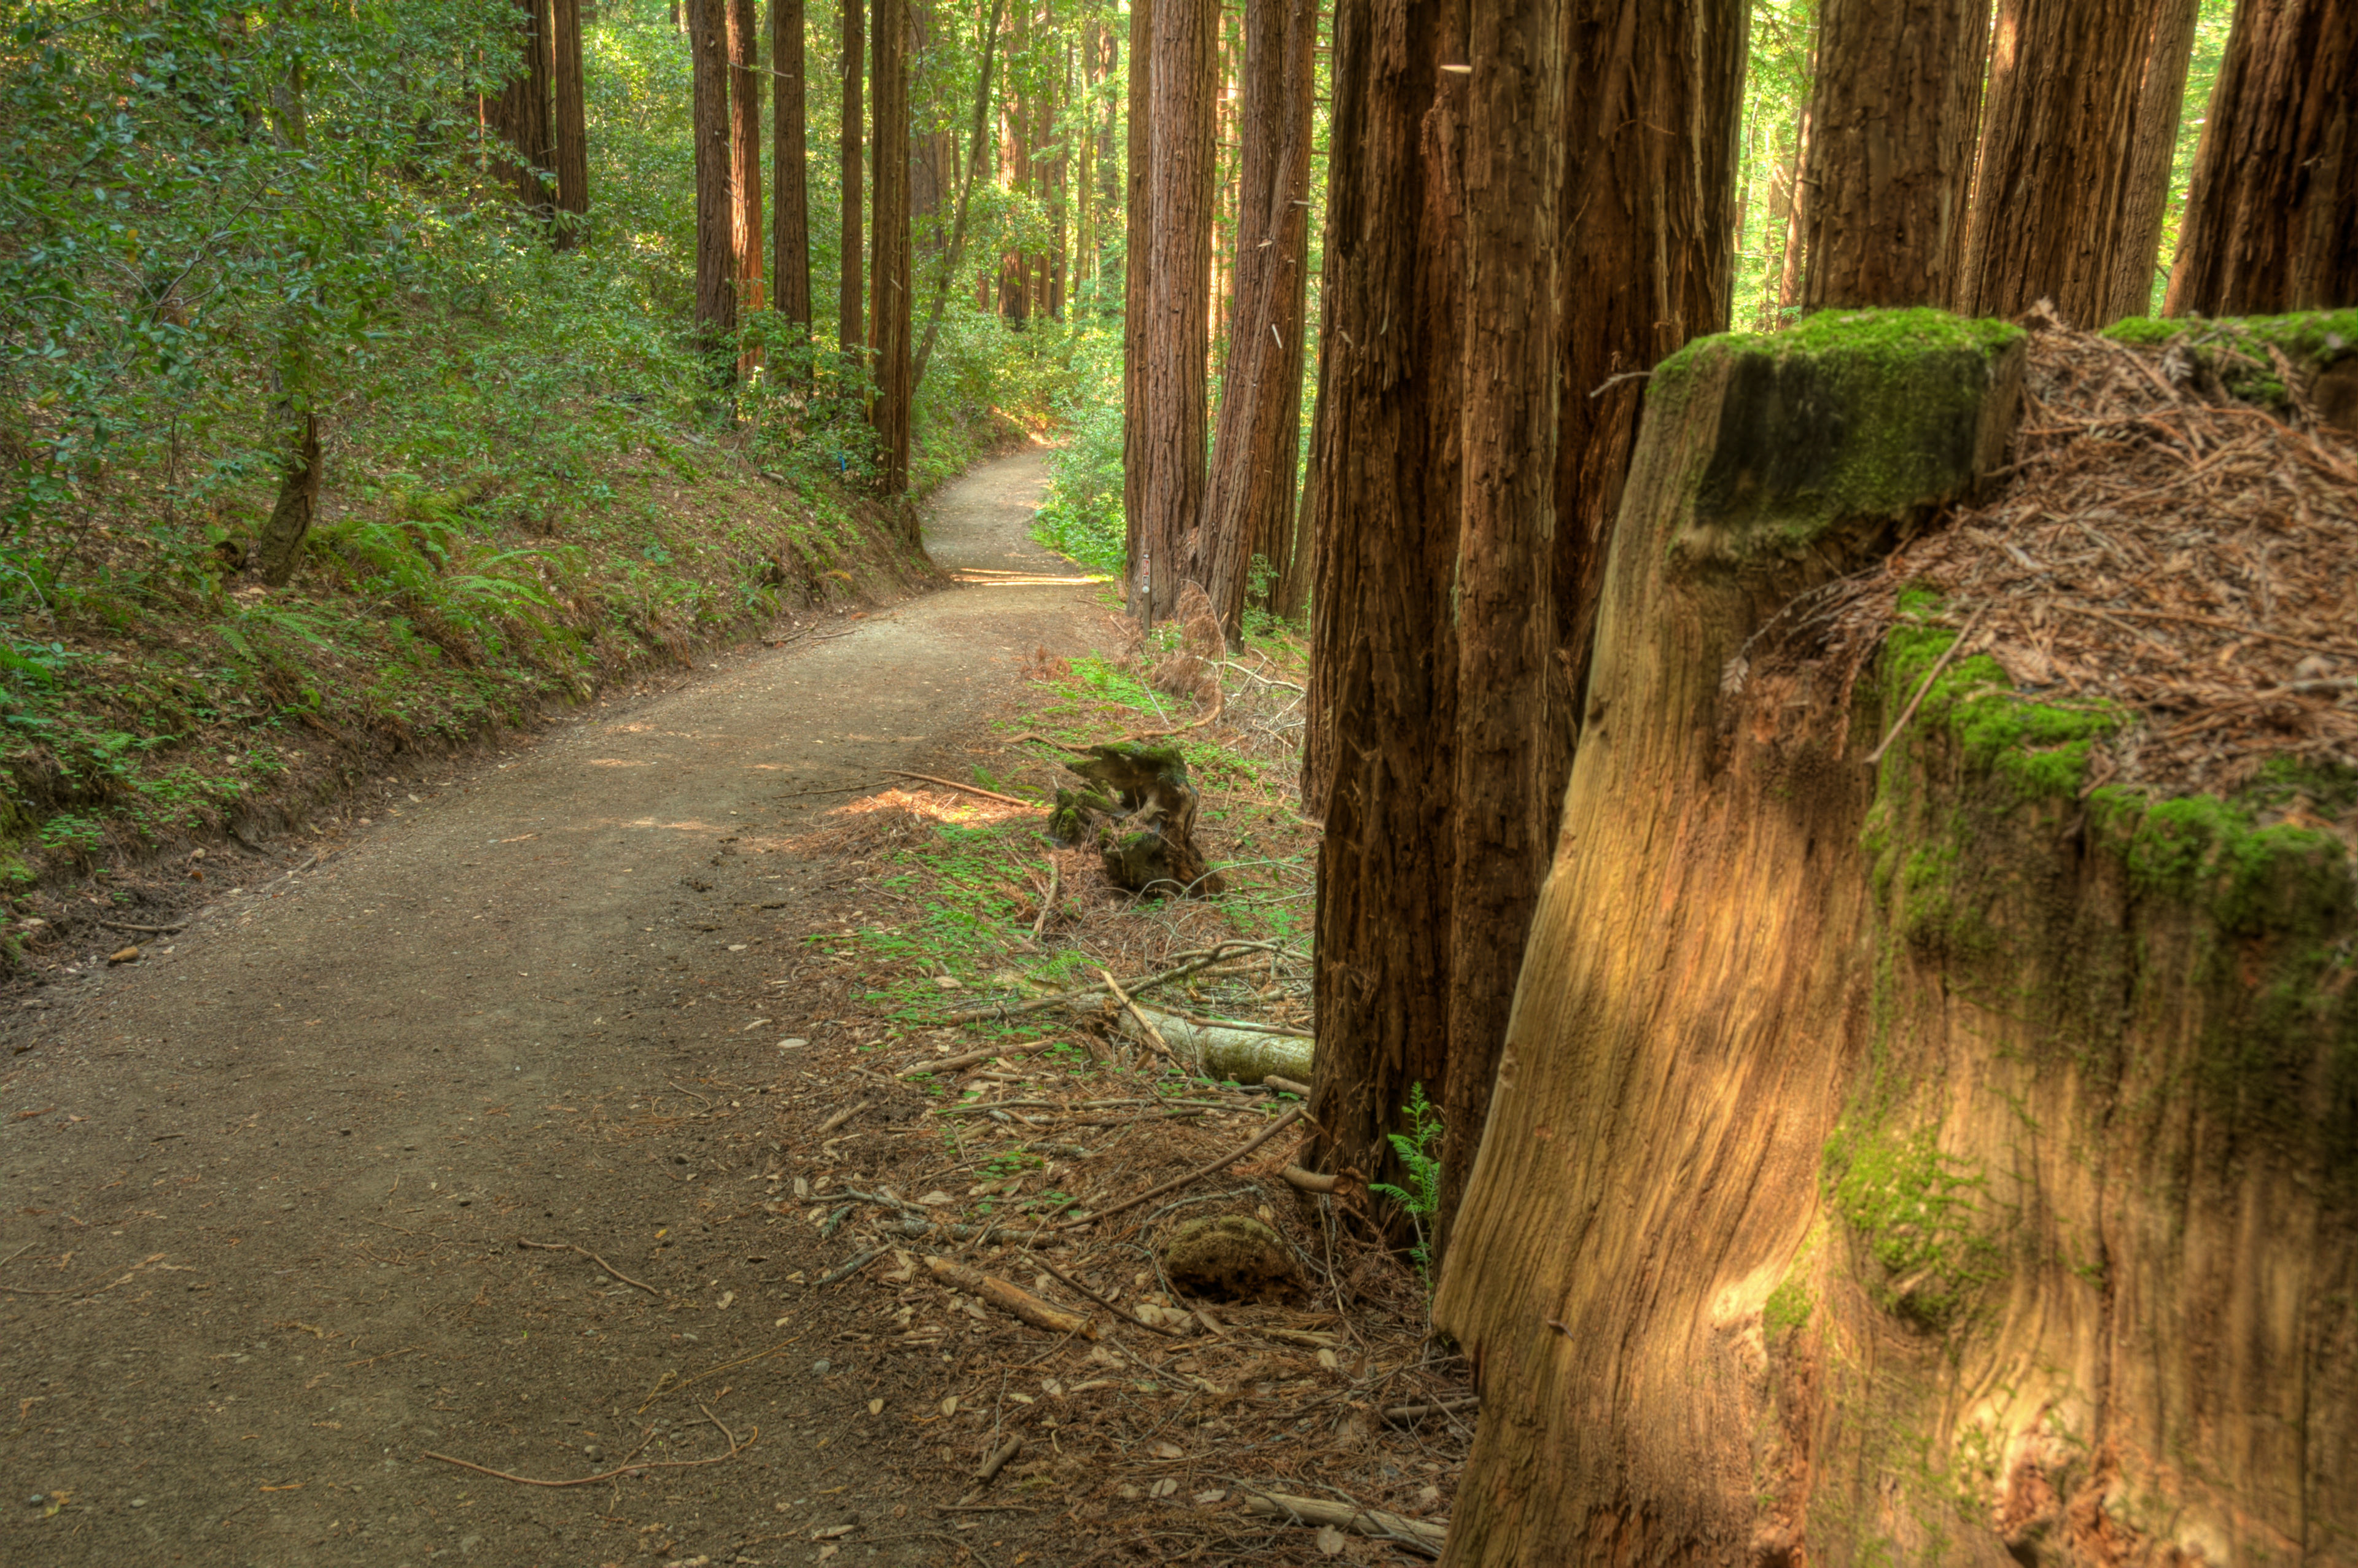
x: 1141, y: 813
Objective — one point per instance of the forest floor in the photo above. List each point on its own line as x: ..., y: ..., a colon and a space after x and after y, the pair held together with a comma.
x: 508, y: 1131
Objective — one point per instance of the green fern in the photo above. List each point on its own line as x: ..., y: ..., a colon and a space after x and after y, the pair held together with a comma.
x: 1421, y: 1199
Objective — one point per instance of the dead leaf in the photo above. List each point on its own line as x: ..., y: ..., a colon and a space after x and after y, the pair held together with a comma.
x: 1330, y: 1540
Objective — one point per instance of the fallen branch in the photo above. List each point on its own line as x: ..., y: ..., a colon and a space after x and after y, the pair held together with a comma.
x: 1011, y: 1299
x: 997, y: 1461
x: 1438, y: 1407
x: 1421, y: 1535
x: 1196, y: 962
x: 1048, y: 905
x: 172, y: 930
x: 1286, y: 1086
x: 735, y: 1448
x: 840, y: 1116
x: 1309, y: 1180
x: 969, y: 789
x: 569, y: 1246
x: 1154, y: 1035
x: 1223, y: 1162
x: 852, y: 1268
x: 952, y: 1064
x: 1947, y: 653
x: 1166, y: 1333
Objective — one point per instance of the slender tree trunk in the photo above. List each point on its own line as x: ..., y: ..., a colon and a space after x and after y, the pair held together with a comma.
x: 570, y: 128
x: 2055, y: 152
x: 789, y: 175
x: 2161, y: 104
x: 279, y: 550
x: 2272, y: 220
x: 1138, y: 274
x: 745, y: 169
x: 1782, y: 172
x: 1249, y: 507
x: 1797, y: 216
x: 888, y: 298
x: 848, y: 316
x: 1383, y: 649
x: 1895, y: 106
x: 521, y: 113
x: 1178, y: 322
x: 978, y: 144
x: 716, y: 251
x: 1297, y: 568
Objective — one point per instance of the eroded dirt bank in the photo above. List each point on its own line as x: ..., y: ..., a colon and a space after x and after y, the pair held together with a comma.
x: 269, y: 1181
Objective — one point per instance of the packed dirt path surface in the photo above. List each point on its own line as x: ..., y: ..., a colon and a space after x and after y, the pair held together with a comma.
x: 268, y: 1181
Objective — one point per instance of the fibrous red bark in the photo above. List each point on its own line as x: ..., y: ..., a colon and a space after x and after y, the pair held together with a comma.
x: 716, y: 250
x: 745, y: 169
x: 888, y: 328
x: 790, y: 232
x: 849, y: 332
x: 1138, y: 269
x: 2161, y: 104
x: 2272, y: 220
x: 570, y: 131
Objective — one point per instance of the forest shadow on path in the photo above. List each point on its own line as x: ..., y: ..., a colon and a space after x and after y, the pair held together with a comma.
x: 270, y: 1181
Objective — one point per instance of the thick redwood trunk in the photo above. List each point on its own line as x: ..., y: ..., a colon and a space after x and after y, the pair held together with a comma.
x: 716, y: 255
x: 1383, y: 648
x: 1180, y: 168
x: 1248, y: 510
x: 888, y: 327
x: 2161, y: 104
x: 570, y: 131
x: 848, y: 316
x: 1137, y: 270
x: 1896, y: 103
x: 2272, y: 220
x: 790, y: 185
x: 2050, y: 192
x: 745, y: 167
x: 522, y: 113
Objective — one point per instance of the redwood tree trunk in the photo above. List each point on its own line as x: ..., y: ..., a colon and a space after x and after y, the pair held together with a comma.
x: 716, y: 255
x: 745, y: 167
x: 888, y: 326
x: 790, y: 234
x: 1138, y: 271
x: 2161, y: 104
x: 1896, y: 103
x: 2272, y: 222
x: 1383, y: 651
x: 521, y: 113
x: 1248, y: 510
x: 1180, y: 169
x: 570, y: 131
x: 848, y: 316
x: 2055, y: 155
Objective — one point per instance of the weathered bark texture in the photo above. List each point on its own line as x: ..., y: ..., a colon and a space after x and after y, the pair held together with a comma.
x: 569, y: 132
x: 279, y: 550
x: 2272, y: 220
x: 889, y: 300
x: 715, y: 250
x: 1248, y: 508
x: 2051, y: 192
x: 848, y: 315
x: 521, y: 113
x: 790, y: 286
x: 1177, y: 333
x: 1649, y: 257
x: 745, y: 169
x: 1908, y: 1164
x: 1138, y: 269
x: 2161, y: 104
x: 1384, y: 653
x: 1896, y: 103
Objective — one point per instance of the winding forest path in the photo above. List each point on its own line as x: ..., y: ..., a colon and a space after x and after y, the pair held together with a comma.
x: 287, y: 1157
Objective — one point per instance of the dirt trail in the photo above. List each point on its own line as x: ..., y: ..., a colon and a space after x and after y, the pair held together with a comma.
x: 272, y: 1176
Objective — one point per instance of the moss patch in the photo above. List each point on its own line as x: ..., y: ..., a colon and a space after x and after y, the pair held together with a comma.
x: 1919, y: 1212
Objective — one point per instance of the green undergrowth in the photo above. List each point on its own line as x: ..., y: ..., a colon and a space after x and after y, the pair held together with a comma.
x: 2243, y: 353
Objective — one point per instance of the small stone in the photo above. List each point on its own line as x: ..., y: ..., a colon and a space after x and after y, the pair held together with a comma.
x: 946, y: 983
x: 138, y: 1502
x: 791, y: 1042
x: 821, y: 1368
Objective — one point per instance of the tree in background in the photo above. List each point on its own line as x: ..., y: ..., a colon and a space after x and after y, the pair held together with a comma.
x: 790, y: 219
x: 745, y: 170
x: 1177, y: 334
x: 978, y: 144
x: 1249, y: 513
x: 716, y: 247
x: 2161, y: 109
x: 1138, y: 274
x: 570, y: 134
x: 848, y: 315
x: 2052, y: 199
x: 888, y: 327
x: 1894, y: 110
x: 520, y: 112
x: 2272, y: 220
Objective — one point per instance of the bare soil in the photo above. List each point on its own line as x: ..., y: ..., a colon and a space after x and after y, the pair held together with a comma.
x: 272, y: 1179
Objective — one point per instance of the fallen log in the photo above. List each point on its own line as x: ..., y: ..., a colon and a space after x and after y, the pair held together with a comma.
x: 1418, y: 1535
x: 1010, y: 1299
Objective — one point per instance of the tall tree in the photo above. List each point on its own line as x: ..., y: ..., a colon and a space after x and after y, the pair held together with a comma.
x: 1895, y: 107
x: 978, y: 147
x: 2272, y: 220
x: 1138, y: 271
x: 570, y: 131
x: 848, y: 316
x: 745, y: 167
x: 1177, y: 335
x: 889, y: 297
x: 520, y: 114
x: 2050, y: 194
x: 789, y: 177
x: 716, y: 251
x: 1248, y: 508
x: 2161, y: 106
